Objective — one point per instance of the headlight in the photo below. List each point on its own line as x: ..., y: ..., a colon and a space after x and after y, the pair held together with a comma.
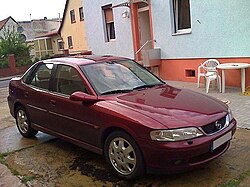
x: 175, y: 134
x: 230, y: 114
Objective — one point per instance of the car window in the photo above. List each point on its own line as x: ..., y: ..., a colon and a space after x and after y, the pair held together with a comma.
x: 68, y: 81
x: 41, y: 77
x: 117, y: 76
x: 28, y: 73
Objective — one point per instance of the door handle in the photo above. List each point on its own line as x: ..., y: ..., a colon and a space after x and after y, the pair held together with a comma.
x: 53, y: 102
x: 26, y: 94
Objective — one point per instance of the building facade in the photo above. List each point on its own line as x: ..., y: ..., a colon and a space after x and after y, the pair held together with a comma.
x: 214, y: 29
x: 8, y: 23
x: 108, y: 27
x: 48, y: 45
x: 36, y: 28
x: 72, y: 29
x: 180, y: 34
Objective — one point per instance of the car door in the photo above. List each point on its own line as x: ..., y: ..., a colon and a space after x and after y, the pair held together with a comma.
x: 36, y: 94
x: 69, y: 118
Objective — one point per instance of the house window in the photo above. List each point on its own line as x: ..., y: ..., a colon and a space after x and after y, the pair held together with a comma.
x: 182, y: 16
x: 70, y: 43
x: 60, y: 44
x: 108, y: 23
x: 81, y: 14
x: 72, y: 16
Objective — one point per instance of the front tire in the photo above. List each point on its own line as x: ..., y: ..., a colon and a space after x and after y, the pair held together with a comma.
x: 123, y: 155
x: 23, y: 123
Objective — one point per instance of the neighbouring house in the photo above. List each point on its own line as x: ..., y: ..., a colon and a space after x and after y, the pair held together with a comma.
x: 36, y: 28
x: 172, y: 37
x: 8, y: 23
x: 48, y: 45
x: 72, y: 29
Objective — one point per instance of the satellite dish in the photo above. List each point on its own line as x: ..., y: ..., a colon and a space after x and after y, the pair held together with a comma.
x: 19, y: 29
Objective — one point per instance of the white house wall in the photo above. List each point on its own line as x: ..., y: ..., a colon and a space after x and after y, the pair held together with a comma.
x: 220, y: 28
x: 123, y: 44
x: 9, y: 24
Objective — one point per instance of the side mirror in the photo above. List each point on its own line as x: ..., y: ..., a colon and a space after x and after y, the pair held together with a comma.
x: 83, y: 97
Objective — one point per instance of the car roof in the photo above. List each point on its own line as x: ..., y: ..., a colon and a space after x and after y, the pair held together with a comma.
x: 84, y: 59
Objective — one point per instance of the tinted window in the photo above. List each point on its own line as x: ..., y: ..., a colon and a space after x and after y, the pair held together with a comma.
x: 68, y: 80
x: 41, y: 77
x: 121, y: 75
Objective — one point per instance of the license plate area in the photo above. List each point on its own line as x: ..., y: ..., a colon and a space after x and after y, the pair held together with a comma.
x: 218, y: 142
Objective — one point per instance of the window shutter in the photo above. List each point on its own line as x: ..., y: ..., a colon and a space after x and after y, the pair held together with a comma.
x: 109, y: 15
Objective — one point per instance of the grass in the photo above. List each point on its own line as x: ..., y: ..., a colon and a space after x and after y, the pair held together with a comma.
x: 15, y: 172
x: 236, y: 181
x: 2, y: 156
x: 26, y: 179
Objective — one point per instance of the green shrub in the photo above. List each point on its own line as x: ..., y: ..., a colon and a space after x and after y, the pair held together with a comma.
x: 4, y: 63
x: 12, y: 43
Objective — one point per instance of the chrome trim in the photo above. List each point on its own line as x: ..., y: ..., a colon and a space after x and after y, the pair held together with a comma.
x: 41, y: 109
x: 47, y: 91
x: 79, y: 121
x: 225, y: 126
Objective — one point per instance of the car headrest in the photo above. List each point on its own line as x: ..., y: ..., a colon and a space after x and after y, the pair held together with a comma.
x: 42, y: 75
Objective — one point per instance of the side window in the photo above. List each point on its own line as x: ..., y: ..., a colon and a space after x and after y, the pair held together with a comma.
x: 28, y: 73
x: 109, y: 26
x: 41, y: 77
x: 182, y: 18
x: 72, y: 16
x: 68, y: 80
x: 70, y: 42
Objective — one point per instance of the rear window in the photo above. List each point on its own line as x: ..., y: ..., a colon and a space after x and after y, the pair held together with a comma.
x: 41, y: 77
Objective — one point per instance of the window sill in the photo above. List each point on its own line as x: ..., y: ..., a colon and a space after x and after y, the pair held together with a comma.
x: 182, y: 32
x: 111, y: 40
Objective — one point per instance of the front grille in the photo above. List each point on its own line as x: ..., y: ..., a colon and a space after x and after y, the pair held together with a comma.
x: 215, y: 126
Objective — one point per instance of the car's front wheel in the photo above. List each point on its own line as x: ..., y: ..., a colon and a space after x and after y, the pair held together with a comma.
x: 23, y: 123
x: 123, y: 155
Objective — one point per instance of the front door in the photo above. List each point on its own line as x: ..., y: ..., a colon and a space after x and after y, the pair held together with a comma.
x: 142, y: 29
x: 144, y: 26
x: 69, y: 118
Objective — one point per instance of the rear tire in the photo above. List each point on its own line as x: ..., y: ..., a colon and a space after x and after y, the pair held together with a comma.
x: 123, y: 155
x: 23, y: 123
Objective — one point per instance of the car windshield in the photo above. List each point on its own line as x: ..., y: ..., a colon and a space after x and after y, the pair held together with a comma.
x: 119, y: 76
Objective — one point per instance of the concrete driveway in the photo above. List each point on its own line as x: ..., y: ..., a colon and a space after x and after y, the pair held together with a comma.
x: 48, y: 161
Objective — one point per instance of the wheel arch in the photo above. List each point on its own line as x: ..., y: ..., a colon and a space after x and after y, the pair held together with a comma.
x: 16, y: 105
x: 111, y: 129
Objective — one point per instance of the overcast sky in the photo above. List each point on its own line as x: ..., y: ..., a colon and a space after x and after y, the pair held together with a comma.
x: 20, y: 10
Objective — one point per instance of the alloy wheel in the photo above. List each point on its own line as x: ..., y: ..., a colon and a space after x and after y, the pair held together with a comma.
x: 22, y: 121
x: 122, y: 156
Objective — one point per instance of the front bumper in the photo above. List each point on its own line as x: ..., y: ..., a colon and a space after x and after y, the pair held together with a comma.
x: 175, y: 157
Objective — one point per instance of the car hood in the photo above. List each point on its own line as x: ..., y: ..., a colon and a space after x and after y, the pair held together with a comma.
x: 173, y: 107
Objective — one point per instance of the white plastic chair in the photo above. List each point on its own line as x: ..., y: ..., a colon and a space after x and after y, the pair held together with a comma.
x: 208, y: 70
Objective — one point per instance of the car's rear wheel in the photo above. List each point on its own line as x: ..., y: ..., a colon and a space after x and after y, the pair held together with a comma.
x: 123, y: 155
x: 23, y: 123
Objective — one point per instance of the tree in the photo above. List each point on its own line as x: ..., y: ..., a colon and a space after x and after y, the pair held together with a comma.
x: 12, y: 43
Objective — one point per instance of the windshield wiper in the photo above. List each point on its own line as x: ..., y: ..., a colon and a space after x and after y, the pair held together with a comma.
x: 116, y: 91
x: 146, y: 86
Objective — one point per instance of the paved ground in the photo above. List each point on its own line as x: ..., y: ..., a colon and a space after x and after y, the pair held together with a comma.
x: 47, y: 161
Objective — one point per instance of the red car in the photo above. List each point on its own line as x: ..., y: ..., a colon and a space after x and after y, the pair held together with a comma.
x: 113, y: 106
